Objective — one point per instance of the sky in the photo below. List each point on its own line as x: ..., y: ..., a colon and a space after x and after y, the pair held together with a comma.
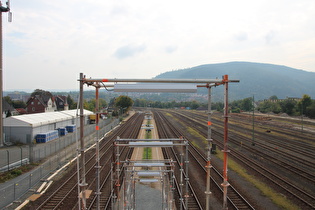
x: 49, y: 43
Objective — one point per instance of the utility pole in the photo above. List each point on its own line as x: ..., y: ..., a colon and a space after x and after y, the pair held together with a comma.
x: 2, y: 9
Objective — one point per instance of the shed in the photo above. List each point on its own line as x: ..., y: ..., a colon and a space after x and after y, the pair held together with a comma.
x: 24, y: 128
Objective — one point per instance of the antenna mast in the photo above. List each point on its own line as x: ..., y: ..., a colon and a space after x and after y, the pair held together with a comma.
x: 2, y: 9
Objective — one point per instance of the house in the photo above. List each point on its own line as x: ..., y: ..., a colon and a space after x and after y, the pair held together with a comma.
x: 39, y: 104
x: 61, y: 103
x: 7, y: 109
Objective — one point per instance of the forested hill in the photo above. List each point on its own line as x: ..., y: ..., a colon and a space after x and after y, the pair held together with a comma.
x: 262, y: 80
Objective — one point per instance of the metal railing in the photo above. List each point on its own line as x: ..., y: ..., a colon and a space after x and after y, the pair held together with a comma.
x: 59, y: 151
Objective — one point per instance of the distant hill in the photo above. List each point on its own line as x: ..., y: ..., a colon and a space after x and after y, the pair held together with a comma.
x: 262, y: 80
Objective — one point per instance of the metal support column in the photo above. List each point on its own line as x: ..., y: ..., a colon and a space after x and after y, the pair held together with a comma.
x: 209, y: 139
x: 97, y: 148
x: 181, y: 178
x: 112, y: 184
x: 83, y: 184
x: 186, y: 172
x: 225, y: 183
x: 117, y: 184
x: 172, y: 187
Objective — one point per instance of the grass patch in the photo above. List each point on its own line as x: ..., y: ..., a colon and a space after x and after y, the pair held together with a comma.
x: 196, y: 133
x: 5, y: 176
x: 148, y: 135
x: 277, y: 198
x: 147, y: 153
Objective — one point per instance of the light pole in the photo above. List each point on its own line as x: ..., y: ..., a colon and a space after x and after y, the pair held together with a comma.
x: 2, y: 9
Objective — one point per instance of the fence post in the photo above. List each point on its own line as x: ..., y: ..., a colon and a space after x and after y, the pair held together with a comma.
x: 8, y: 157
x: 21, y: 155
x: 30, y: 184
x: 15, y: 184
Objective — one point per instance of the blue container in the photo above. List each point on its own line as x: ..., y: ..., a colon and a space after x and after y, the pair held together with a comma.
x: 62, y: 131
x: 70, y: 128
x: 45, y: 137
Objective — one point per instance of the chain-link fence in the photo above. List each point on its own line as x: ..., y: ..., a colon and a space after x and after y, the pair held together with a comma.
x: 59, y: 152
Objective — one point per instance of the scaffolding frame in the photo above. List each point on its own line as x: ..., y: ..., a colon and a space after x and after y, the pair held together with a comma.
x: 208, y: 83
x: 131, y: 170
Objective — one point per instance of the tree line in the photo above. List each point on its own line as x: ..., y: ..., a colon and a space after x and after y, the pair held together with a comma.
x: 304, y: 106
x: 121, y: 104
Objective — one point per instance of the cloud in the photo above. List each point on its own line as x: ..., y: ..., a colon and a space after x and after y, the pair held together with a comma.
x: 242, y: 36
x: 270, y: 38
x: 119, y: 10
x: 170, y: 48
x: 129, y: 51
x: 67, y: 37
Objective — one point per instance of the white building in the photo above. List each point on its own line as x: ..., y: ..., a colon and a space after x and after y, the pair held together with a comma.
x: 24, y: 128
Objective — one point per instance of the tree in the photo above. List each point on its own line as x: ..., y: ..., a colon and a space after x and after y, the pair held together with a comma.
x: 41, y: 93
x: 15, y: 104
x: 310, y: 110
x: 91, y: 104
x: 218, y: 106
x: 18, y: 104
x: 275, y: 108
x: 194, y: 105
x: 8, y: 99
x: 247, y: 104
x: 88, y: 105
x: 71, y: 103
x: 274, y: 97
x: 265, y: 107
x: 123, y: 102
x: 287, y: 106
x: 304, y: 103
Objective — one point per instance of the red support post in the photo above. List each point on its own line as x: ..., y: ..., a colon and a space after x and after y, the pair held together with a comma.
x: 225, y: 183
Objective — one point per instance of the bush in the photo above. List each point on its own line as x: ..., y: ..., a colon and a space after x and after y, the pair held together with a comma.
x: 16, y: 172
x: 236, y: 110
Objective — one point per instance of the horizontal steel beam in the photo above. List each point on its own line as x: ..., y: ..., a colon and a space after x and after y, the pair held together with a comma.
x: 156, y: 88
x: 150, y: 140
x: 85, y: 80
x: 148, y: 180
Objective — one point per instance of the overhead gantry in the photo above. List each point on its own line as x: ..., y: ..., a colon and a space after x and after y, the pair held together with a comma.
x: 157, y: 85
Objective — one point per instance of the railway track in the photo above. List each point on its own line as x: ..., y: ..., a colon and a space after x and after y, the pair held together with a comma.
x: 235, y: 199
x: 304, y: 198
x: 302, y: 167
x: 290, y: 161
x: 189, y: 198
